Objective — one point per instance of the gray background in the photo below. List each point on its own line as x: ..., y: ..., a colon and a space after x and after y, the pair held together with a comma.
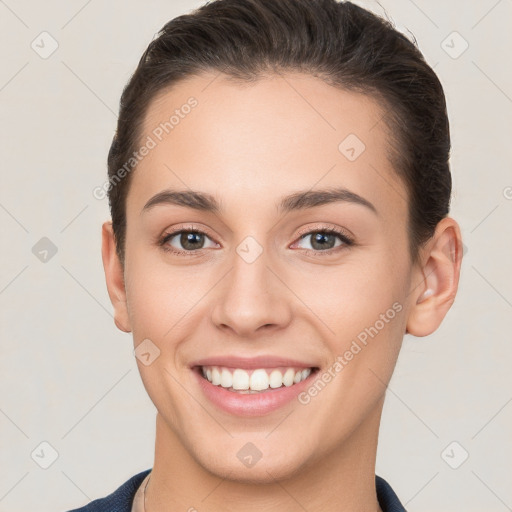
x: 68, y: 376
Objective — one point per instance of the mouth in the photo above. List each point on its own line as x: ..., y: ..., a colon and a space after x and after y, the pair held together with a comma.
x: 252, y: 386
x: 254, y: 380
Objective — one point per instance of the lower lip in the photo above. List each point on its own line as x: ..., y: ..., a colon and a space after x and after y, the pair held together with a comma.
x: 256, y: 404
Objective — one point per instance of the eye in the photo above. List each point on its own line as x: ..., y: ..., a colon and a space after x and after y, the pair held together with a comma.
x: 324, y: 240
x: 190, y: 240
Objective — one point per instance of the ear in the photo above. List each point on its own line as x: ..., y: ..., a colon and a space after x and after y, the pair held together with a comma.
x: 435, y: 286
x: 114, y: 277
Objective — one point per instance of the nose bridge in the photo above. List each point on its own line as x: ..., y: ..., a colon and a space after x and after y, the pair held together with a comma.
x: 251, y: 295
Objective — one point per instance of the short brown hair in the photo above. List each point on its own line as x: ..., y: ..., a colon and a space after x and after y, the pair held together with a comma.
x: 339, y: 42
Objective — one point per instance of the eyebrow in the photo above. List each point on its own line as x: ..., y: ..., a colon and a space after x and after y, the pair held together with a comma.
x: 300, y: 200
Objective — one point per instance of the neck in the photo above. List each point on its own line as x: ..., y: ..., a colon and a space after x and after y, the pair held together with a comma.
x: 342, y: 480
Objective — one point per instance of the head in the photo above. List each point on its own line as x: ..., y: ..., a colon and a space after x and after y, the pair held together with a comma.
x: 306, y: 144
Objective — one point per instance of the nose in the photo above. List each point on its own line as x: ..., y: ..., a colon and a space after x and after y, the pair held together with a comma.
x: 252, y: 299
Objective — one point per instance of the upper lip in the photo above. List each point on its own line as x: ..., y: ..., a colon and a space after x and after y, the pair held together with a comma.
x: 263, y: 361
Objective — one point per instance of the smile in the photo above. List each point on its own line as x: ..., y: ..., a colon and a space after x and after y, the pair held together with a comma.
x: 255, y: 391
x: 258, y: 380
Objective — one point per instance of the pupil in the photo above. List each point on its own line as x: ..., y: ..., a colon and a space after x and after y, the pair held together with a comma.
x: 187, y: 240
x: 323, y: 240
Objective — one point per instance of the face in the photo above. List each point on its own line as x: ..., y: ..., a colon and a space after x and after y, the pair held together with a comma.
x: 296, y: 258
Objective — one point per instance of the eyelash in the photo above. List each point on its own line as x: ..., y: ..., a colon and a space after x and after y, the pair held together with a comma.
x: 347, y: 241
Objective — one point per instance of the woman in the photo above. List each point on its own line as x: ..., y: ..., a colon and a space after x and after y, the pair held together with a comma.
x: 279, y: 188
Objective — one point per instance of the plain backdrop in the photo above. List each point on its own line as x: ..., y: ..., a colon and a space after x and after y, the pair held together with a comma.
x: 71, y: 397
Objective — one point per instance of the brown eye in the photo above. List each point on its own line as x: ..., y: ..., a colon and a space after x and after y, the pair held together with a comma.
x: 184, y: 241
x: 191, y: 240
x: 323, y: 240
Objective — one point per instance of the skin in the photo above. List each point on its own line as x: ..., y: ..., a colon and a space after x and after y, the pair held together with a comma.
x: 249, y: 146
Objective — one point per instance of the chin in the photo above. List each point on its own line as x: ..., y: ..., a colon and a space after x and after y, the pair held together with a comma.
x: 243, y: 463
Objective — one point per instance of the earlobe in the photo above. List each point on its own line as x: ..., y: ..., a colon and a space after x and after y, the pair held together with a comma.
x: 114, y: 278
x: 435, y: 287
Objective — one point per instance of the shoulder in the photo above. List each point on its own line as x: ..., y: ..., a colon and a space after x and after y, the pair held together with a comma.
x: 388, y: 500
x: 120, y: 500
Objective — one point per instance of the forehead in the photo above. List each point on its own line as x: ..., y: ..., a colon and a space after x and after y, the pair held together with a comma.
x: 250, y: 143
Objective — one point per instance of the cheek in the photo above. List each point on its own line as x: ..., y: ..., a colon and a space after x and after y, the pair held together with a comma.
x: 157, y: 299
x: 361, y: 312
x: 351, y: 296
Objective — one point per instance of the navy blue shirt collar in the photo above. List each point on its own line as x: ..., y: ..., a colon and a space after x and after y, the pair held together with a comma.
x: 121, y: 499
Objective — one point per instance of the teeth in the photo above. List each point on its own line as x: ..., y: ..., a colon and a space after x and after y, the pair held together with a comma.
x: 259, y: 380
x: 215, y: 376
x: 289, y: 375
x: 276, y: 379
x: 226, y: 378
x: 240, y: 379
x: 250, y: 381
